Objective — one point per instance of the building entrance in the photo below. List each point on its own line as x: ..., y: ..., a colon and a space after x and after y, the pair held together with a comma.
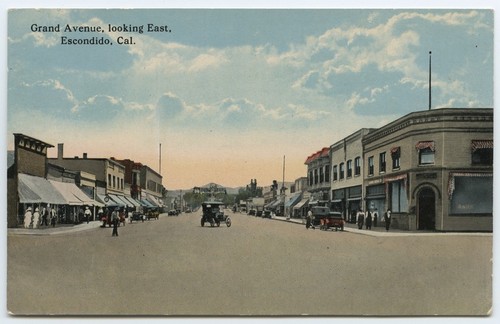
x: 426, y: 209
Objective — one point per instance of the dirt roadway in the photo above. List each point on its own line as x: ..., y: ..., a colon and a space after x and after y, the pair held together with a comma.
x: 173, y: 266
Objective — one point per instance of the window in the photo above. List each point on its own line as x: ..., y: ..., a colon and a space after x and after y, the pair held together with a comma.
x: 357, y: 166
x: 310, y: 178
x: 321, y: 175
x: 399, y: 201
x: 370, y: 165
x: 382, y: 162
x: 426, y: 150
x: 114, y: 181
x: 349, y: 168
x: 327, y: 173
x: 482, y: 152
x: 472, y: 194
x: 109, y: 180
x: 316, y: 176
x: 335, y: 175
x: 396, y: 155
x: 341, y: 171
x: 426, y: 156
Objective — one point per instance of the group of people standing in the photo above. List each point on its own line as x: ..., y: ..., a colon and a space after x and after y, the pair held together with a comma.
x: 372, y: 217
x: 40, y: 217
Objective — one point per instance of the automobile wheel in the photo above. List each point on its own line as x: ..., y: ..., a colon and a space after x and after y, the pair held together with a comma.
x: 228, y: 222
x: 202, y: 222
x: 218, y: 223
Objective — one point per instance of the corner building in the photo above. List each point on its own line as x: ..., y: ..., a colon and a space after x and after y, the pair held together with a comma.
x: 433, y: 169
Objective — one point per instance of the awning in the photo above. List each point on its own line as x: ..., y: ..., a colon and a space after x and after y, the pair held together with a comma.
x: 124, y: 201
x: 33, y: 189
x: 146, y: 203
x: 152, y: 199
x: 301, y: 203
x: 293, y: 199
x: 110, y: 201
x: 425, y: 144
x: 481, y: 144
x: 134, y: 202
x: 69, y: 192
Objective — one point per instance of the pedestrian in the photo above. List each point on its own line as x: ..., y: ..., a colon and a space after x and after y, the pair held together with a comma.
x: 53, y: 218
x: 309, y: 219
x: 45, y: 215
x: 369, y: 219
x: 28, y: 218
x: 80, y: 216
x: 88, y: 214
x: 387, y: 219
x: 360, y: 217
x: 115, y: 220
x: 36, y: 218
x: 375, y: 217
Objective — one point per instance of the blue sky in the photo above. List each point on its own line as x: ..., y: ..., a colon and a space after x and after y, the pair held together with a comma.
x: 252, y: 85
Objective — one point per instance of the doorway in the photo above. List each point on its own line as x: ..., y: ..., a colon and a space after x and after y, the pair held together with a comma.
x: 426, y: 214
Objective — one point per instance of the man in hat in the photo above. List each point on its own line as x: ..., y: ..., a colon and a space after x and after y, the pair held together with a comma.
x: 88, y: 214
x: 115, y: 220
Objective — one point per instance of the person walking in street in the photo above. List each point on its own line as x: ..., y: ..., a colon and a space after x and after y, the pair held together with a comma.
x: 360, y: 218
x: 387, y: 219
x: 309, y: 222
x: 27, y: 218
x: 115, y: 220
x: 88, y: 214
x: 368, y: 222
x: 36, y: 218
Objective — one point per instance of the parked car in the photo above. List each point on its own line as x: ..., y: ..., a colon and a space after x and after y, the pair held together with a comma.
x: 137, y: 216
x: 252, y: 212
x: 266, y: 214
x: 172, y: 212
x: 327, y: 219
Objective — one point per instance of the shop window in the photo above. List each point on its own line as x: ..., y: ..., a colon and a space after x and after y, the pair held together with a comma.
x: 471, y: 194
x: 357, y: 166
x: 349, y: 168
x: 399, y: 200
x: 382, y: 162
x: 370, y: 166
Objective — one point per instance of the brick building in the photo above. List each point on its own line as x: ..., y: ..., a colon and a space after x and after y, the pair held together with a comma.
x: 433, y: 169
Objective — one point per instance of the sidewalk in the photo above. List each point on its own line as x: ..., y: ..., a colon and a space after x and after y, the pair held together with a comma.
x: 380, y: 231
x: 49, y: 230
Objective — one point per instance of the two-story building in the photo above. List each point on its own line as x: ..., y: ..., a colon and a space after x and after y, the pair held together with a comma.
x: 433, y: 169
x: 318, y: 177
x: 346, y: 158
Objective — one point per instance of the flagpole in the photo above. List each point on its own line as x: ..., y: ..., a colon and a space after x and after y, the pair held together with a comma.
x: 430, y: 87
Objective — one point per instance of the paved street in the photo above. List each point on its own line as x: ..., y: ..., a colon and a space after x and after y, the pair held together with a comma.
x: 173, y: 266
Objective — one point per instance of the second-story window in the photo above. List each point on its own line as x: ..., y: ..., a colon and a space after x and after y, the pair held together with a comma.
x: 349, y: 168
x: 341, y: 171
x: 357, y: 166
x: 426, y: 151
x: 327, y: 173
x: 396, y: 156
x: 335, y: 174
x: 321, y: 175
x: 382, y: 162
x: 482, y: 152
x: 370, y: 166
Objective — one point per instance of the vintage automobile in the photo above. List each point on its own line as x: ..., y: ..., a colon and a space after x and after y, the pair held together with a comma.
x: 327, y: 219
x: 213, y: 214
x: 266, y: 213
x: 172, y: 212
x: 137, y: 216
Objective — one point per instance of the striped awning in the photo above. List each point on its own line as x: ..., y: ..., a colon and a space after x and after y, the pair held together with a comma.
x: 452, y: 175
x: 425, y: 145
x: 395, y: 150
x: 481, y: 144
